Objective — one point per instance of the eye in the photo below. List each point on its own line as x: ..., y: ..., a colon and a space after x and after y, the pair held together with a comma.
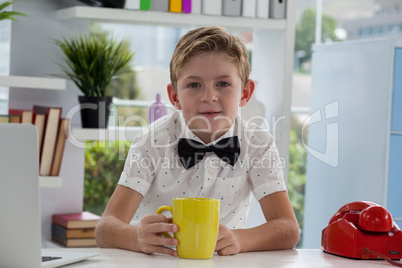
x: 223, y: 84
x: 193, y: 85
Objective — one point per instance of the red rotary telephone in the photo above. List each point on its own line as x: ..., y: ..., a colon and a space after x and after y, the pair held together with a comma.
x: 363, y: 230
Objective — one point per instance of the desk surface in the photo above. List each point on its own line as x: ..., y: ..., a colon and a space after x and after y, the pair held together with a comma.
x: 281, y: 258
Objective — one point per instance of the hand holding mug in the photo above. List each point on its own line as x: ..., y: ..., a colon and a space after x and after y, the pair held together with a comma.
x: 228, y: 242
x: 149, y: 238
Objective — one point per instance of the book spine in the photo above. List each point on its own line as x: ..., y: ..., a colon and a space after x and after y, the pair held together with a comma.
x: 39, y: 122
x: 58, y: 230
x: 60, y: 144
x: 249, y: 8
x: 196, y: 6
x: 277, y: 9
x: 59, y: 239
x: 16, y: 119
x: 132, y: 4
x: 160, y: 5
x: 212, y: 7
x: 231, y: 8
x: 3, y: 118
x: 175, y: 6
x: 74, y: 242
x: 59, y: 221
x: 52, y: 126
x: 145, y: 4
x: 262, y: 9
x: 186, y: 6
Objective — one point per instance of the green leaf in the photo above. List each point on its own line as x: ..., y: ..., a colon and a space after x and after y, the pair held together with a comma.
x: 93, y: 61
x: 8, y: 15
x: 5, y: 4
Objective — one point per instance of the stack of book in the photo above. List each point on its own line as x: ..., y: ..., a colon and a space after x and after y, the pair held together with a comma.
x: 75, y: 230
x: 52, y: 134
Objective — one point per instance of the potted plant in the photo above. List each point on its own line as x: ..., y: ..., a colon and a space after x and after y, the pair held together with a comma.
x: 8, y: 15
x: 92, y: 61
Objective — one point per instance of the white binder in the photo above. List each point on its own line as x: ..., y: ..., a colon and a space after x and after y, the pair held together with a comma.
x: 277, y: 9
x: 231, y: 8
x: 263, y: 9
x: 132, y: 4
x: 196, y: 6
x: 249, y: 8
x: 212, y: 7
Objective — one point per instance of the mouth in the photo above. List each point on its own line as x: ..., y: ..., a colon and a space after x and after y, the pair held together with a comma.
x: 210, y: 113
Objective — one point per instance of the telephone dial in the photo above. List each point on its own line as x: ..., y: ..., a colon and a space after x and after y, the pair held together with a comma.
x: 363, y: 230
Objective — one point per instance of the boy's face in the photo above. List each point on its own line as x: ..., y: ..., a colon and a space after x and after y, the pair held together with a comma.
x: 209, y: 92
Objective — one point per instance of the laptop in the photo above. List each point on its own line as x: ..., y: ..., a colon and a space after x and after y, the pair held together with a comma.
x: 20, y: 223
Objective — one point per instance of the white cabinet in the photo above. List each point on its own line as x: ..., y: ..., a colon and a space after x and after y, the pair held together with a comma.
x: 33, y: 82
x: 34, y: 54
x: 357, y: 86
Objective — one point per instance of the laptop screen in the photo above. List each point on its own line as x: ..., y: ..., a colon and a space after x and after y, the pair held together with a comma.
x: 20, y: 225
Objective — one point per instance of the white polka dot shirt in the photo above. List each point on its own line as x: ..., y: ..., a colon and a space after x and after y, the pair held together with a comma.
x: 153, y: 169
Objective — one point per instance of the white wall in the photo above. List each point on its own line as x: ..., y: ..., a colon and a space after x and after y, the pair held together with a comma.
x: 353, y: 82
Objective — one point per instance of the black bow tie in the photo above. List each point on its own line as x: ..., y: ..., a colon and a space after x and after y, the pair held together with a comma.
x: 191, y: 152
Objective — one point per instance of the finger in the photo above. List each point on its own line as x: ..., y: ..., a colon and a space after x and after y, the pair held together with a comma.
x: 226, y: 251
x: 162, y: 241
x: 153, y: 218
x: 161, y: 227
x: 221, y: 244
x: 158, y: 227
x: 160, y: 249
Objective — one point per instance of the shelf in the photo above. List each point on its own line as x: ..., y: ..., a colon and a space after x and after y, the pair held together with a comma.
x: 166, y: 18
x: 396, y: 132
x: 33, y: 82
x: 109, y: 134
x: 50, y: 182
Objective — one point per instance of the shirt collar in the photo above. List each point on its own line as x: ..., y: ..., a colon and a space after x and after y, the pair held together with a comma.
x: 183, y: 131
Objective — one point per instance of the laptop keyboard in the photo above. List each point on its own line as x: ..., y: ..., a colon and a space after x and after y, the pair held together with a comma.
x: 48, y: 258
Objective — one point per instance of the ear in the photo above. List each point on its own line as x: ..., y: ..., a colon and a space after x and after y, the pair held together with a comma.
x: 247, y: 93
x: 173, y: 97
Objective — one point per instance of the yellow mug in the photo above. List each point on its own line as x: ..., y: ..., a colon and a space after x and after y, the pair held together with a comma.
x: 198, y: 222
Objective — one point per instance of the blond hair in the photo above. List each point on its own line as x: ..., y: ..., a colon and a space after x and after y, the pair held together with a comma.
x: 209, y: 39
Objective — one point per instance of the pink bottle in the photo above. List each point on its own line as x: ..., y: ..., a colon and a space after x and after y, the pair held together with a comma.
x: 156, y: 110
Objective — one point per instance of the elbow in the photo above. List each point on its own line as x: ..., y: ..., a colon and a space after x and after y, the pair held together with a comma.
x: 293, y: 235
x: 296, y: 236
x: 99, y: 235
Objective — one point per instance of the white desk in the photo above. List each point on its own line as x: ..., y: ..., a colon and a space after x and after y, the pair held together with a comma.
x: 281, y: 258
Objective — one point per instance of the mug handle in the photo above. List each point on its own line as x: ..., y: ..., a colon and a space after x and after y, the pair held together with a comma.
x: 159, y: 211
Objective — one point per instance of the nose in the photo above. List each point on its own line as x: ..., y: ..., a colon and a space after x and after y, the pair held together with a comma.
x: 209, y: 95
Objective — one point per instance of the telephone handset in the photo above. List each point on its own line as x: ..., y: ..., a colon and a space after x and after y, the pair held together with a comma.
x: 372, y: 217
x: 362, y: 230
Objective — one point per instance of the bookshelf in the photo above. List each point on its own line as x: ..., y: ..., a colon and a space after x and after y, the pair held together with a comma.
x: 166, y: 18
x: 37, y: 83
x: 33, y: 82
x: 107, y: 134
x: 272, y: 66
x: 50, y: 181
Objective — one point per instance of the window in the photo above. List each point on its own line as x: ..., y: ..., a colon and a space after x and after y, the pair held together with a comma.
x: 5, y: 31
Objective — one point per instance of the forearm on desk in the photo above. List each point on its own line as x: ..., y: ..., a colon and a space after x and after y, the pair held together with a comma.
x: 272, y: 235
x: 113, y: 233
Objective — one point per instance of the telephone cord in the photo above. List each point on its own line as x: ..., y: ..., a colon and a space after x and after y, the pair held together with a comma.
x: 367, y: 252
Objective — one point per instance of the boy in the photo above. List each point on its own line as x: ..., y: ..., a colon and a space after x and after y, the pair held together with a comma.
x: 202, y: 150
